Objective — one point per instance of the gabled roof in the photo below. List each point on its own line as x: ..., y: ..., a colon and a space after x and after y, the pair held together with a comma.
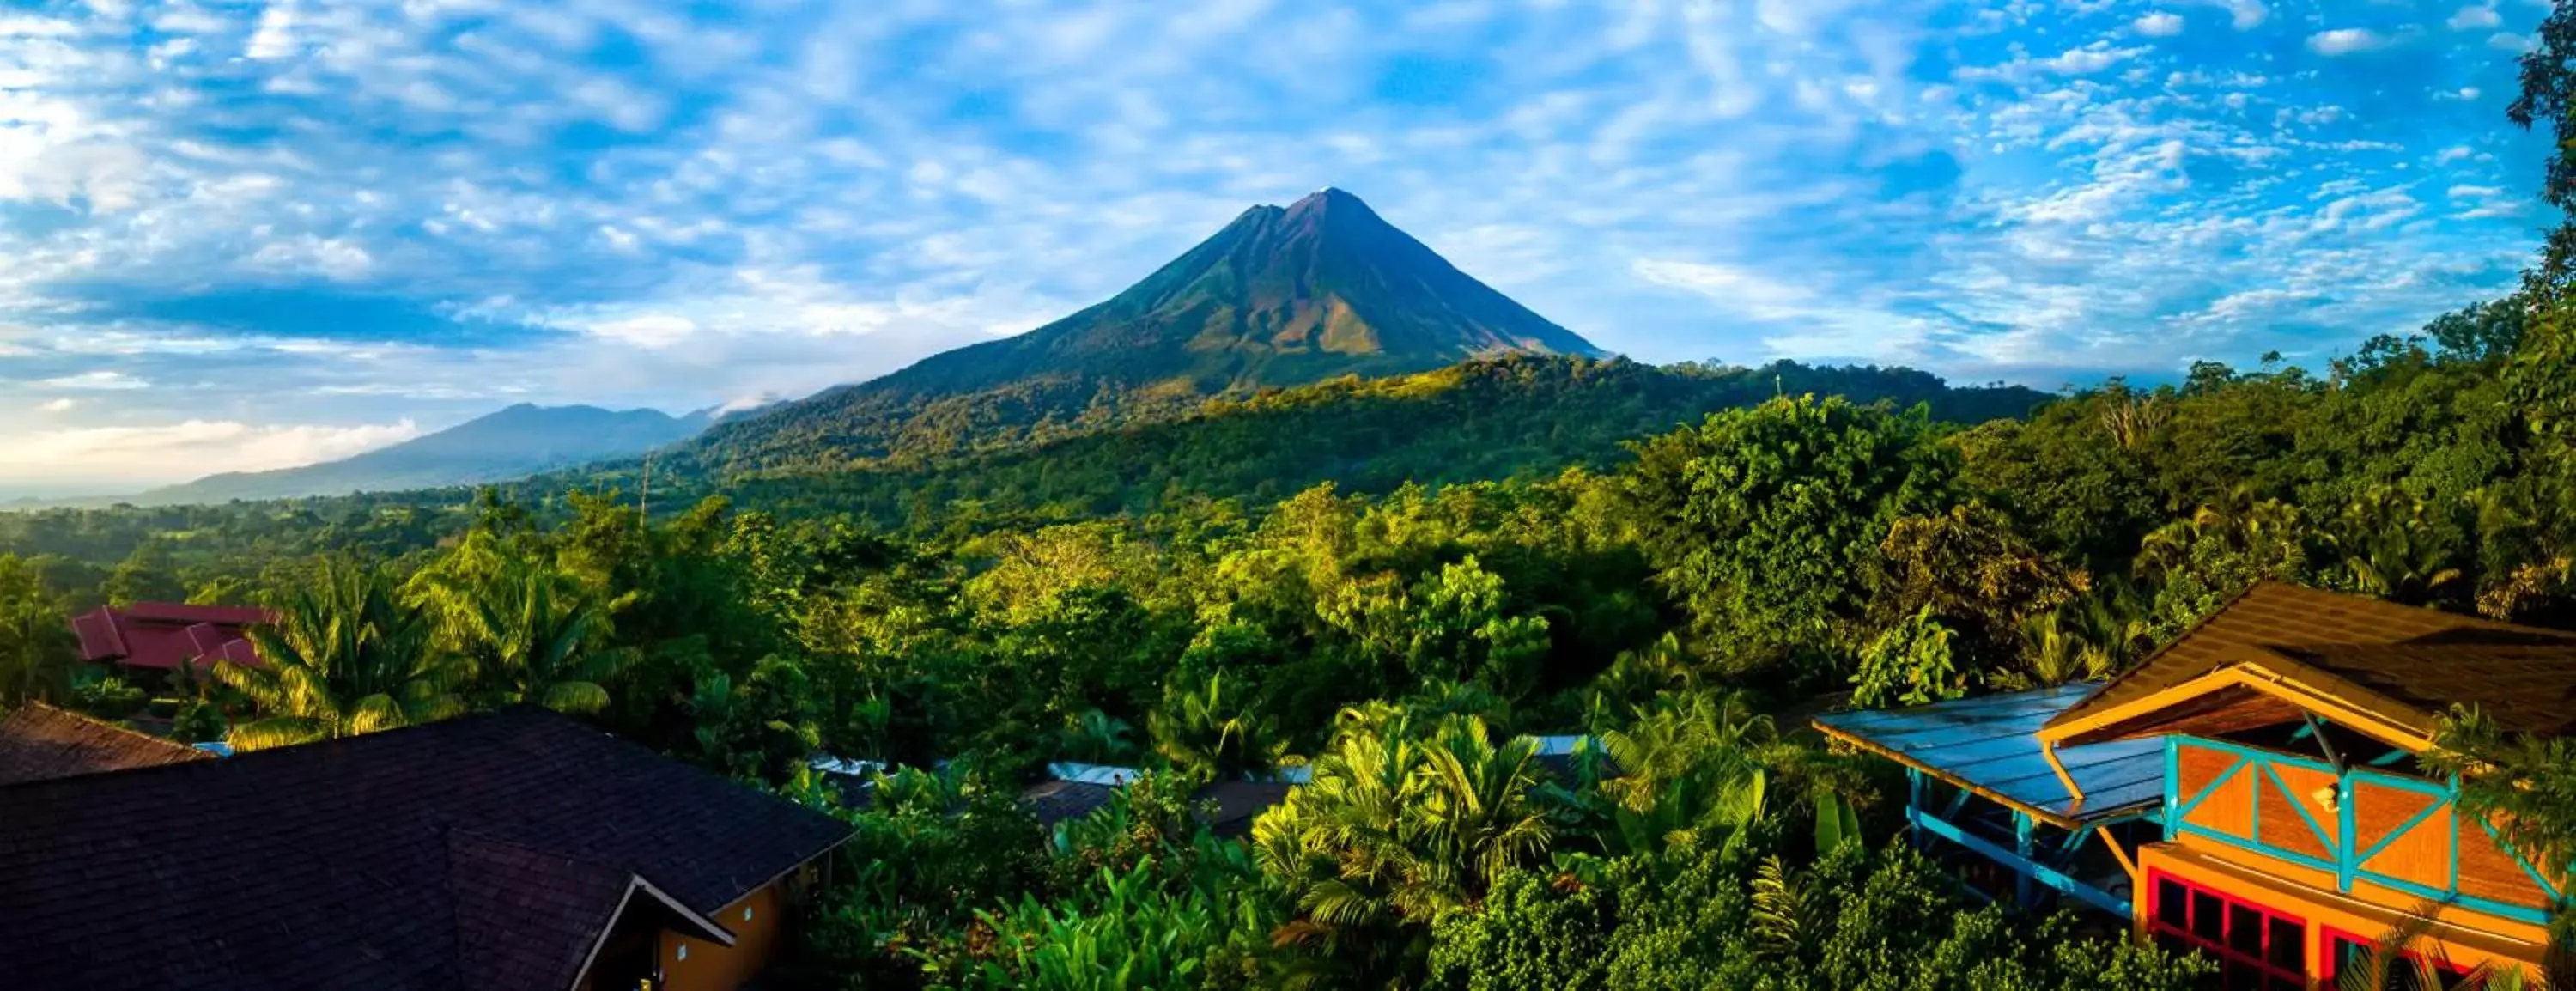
x: 164, y: 635
x: 2278, y: 650
x: 526, y: 918
x: 39, y: 742
x: 472, y: 853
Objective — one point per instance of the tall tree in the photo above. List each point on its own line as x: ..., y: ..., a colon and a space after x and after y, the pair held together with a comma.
x: 525, y: 632
x: 1211, y: 734
x: 1764, y: 522
x: 1397, y: 827
x: 345, y: 656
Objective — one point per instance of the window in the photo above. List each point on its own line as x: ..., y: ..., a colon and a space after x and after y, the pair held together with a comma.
x: 2346, y: 950
x: 2257, y: 949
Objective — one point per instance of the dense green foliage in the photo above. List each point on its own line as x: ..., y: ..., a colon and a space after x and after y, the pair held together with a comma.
x: 1391, y: 586
x: 1481, y: 420
x: 1727, y: 919
x: 1397, y: 644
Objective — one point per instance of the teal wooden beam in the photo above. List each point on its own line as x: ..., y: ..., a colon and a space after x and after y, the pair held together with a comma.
x: 1915, y: 791
x: 2036, y: 872
x: 2346, y: 862
x: 2170, y: 812
x: 2023, y: 827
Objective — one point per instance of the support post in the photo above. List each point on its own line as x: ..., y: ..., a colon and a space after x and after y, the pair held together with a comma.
x: 2127, y: 865
x: 2347, y: 846
x: 2023, y: 828
x: 1916, y: 790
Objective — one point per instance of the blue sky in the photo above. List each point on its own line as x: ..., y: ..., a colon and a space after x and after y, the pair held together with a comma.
x: 246, y: 235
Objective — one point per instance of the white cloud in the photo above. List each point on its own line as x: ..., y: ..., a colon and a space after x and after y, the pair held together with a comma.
x: 742, y: 209
x: 2506, y: 41
x: 651, y: 330
x: 2453, y: 153
x: 333, y: 258
x: 2474, y: 17
x: 58, y: 405
x: 2346, y: 41
x: 275, y: 36
x: 2243, y: 15
x: 96, y: 382
x: 2090, y: 59
x: 1739, y: 289
x: 154, y: 455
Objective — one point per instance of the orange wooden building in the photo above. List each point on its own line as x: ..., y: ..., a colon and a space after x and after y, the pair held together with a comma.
x: 2296, y: 824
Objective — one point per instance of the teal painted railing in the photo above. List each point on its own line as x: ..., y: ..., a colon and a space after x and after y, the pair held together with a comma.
x: 2346, y: 857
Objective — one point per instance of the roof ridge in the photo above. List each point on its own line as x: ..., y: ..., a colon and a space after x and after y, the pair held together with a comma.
x: 2143, y: 663
x: 268, y: 754
x: 40, y: 706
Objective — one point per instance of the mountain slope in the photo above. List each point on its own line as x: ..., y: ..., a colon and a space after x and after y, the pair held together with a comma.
x: 1488, y: 419
x: 1280, y: 297
x: 513, y: 443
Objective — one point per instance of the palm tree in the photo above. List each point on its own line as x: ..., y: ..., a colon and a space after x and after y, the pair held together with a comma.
x: 1395, y: 829
x: 2056, y: 653
x: 344, y: 657
x: 1207, y: 734
x: 1636, y: 676
x: 2402, y: 959
x: 2265, y: 533
x: 38, y: 654
x: 2393, y: 549
x: 527, y: 633
x: 1099, y: 738
x: 1692, y: 769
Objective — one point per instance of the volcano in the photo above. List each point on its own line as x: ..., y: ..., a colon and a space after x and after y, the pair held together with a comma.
x: 1283, y: 296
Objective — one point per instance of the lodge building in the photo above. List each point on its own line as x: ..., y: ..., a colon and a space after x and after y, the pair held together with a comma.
x: 2254, y: 790
x: 514, y: 850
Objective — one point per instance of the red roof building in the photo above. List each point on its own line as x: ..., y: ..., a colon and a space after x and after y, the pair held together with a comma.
x: 160, y: 636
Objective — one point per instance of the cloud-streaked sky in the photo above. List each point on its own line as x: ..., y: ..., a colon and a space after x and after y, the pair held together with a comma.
x: 247, y: 235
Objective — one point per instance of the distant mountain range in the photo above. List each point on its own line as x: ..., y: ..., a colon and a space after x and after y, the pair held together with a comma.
x: 1280, y: 297
x: 514, y: 443
x: 1172, y: 385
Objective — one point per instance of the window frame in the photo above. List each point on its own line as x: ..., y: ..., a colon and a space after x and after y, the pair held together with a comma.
x: 2332, y: 963
x: 2219, y: 949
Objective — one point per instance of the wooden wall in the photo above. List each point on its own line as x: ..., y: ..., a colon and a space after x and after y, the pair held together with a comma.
x: 2401, y: 832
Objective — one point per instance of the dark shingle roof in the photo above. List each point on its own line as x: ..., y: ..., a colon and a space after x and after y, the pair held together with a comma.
x: 471, y: 853
x: 38, y: 742
x: 2271, y: 616
x: 2528, y: 688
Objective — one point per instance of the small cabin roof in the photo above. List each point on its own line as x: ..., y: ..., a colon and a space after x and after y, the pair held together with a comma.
x: 2280, y: 649
x: 1990, y: 745
x: 2275, y: 618
x: 165, y: 635
x: 39, y: 743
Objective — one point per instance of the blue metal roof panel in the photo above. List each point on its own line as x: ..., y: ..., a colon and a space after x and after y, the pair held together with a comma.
x: 1990, y: 744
